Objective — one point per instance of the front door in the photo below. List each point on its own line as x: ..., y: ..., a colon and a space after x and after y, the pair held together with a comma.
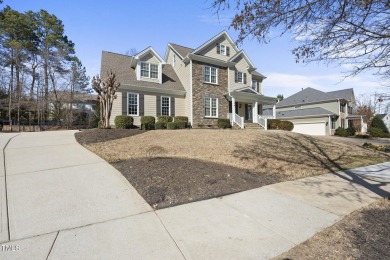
x: 249, y: 112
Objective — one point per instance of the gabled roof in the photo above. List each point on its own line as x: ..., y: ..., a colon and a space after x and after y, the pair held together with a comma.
x: 126, y: 75
x: 216, y: 37
x: 247, y: 89
x: 242, y: 54
x: 256, y: 73
x: 307, y: 112
x: 381, y: 116
x: 147, y: 51
x: 180, y: 50
x: 311, y: 95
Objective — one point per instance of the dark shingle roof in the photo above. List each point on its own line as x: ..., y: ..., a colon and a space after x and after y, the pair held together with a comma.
x: 381, y: 116
x: 256, y: 73
x: 316, y: 111
x: 126, y: 75
x: 183, y: 51
x: 311, y: 95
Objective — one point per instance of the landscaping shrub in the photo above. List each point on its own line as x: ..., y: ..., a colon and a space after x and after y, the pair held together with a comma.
x: 378, y: 132
x: 223, y: 123
x: 181, y: 119
x: 123, y: 122
x: 351, y: 131
x: 341, y: 132
x: 378, y: 123
x: 362, y: 135
x: 182, y: 125
x: 148, y: 122
x: 160, y: 125
x: 278, y: 124
x: 173, y: 125
x: 164, y: 119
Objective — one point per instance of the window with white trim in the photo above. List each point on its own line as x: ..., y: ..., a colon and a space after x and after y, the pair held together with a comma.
x: 222, y: 49
x: 333, y: 123
x: 254, y: 85
x: 240, y: 77
x: 210, y: 74
x: 166, y: 106
x: 210, y: 107
x: 149, y: 70
x: 132, y: 104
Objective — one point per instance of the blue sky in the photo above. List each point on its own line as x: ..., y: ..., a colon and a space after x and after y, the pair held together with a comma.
x: 120, y: 25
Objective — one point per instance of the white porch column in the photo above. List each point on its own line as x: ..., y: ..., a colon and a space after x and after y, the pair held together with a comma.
x: 254, y: 112
x: 233, y: 109
x: 274, y: 111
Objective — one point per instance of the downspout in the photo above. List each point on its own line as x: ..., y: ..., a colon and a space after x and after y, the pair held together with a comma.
x: 192, y: 105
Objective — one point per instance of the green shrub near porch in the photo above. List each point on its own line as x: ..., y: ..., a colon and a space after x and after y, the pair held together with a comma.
x: 277, y: 124
x: 223, y: 123
x: 148, y: 122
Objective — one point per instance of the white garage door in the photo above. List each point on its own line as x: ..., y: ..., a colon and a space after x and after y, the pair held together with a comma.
x: 310, y: 128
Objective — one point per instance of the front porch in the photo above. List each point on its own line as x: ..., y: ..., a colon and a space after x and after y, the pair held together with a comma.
x: 248, y: 107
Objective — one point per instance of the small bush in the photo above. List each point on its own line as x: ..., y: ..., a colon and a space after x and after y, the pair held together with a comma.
x: 181, y: 119
x: 351, y: 131
x: 173, y: 125
x: 377, y: 122
x: 223, y: 123
x: 160, y: 125
x: 148, y: 122
x: 278, y: 124
x: 164, y: 119
x: 123, y: 122
x: 375, y: 132
x: 341, y: 132
x: 182, y: 125
x: 362, y: 135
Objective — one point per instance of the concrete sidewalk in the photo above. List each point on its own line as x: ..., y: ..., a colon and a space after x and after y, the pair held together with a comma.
x: 60, y: 201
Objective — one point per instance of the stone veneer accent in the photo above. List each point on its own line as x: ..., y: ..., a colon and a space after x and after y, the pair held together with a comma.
x: 201, y: 90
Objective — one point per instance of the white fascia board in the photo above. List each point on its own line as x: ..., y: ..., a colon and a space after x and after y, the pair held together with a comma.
x: 173, y: 49
x: 150, y: 50
x: 243, y: 54
x: 223, y: 33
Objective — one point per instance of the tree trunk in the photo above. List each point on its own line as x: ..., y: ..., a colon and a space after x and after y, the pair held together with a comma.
x: 46, y: 76
x: 11, y: 87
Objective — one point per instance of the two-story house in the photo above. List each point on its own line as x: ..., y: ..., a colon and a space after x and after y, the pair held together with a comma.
x: 215, y: 80
x: 315, y: 112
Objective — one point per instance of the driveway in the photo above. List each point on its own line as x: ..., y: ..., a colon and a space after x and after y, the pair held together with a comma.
x: 358, y: 141
x: 60, y: 201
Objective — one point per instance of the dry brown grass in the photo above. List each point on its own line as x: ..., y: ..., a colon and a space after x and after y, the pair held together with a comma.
x: 284, y: 153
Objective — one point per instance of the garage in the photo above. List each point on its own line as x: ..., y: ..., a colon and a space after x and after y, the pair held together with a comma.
x: 310, y: 128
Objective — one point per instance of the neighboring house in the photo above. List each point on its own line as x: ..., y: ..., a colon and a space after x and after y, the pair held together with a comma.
x: 214, y: 80
x: 386, y: 119
x: 316, y: 112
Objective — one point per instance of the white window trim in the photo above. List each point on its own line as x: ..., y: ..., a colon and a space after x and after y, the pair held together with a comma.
x: 216, y: 75
x: 242, y: 77
x: 128, y: 104
x: 256, y: 85
x: 149, y: 70
x: 224, y: 49
x: 217, y: 106
x: 161, y: 104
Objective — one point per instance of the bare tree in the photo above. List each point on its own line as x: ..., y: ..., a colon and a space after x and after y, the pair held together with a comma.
x: 353, y: 32
x: 106, y: 90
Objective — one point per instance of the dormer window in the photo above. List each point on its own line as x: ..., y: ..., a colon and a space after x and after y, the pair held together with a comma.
x: 149, y: 70
x: 223, y: 49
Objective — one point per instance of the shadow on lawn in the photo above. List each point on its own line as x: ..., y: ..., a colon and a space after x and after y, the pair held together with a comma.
x: 305, y: 151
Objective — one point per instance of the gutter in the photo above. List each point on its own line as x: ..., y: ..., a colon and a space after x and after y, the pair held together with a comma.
x: 143, y: 89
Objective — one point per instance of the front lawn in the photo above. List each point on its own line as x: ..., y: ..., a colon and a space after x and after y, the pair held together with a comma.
x: 173, y: 167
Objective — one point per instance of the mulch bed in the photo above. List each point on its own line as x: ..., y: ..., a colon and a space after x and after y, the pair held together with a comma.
x: 165, y: 182
x: 91, y: 136
x: 364, y: 234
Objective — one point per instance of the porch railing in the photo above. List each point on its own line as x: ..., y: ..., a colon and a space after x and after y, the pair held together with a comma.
x: 236, y: 119
x: 262, y: 120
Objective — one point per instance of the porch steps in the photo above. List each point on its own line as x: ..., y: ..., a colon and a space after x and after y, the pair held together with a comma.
x: 252, y: 126
x: 249, y: 126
